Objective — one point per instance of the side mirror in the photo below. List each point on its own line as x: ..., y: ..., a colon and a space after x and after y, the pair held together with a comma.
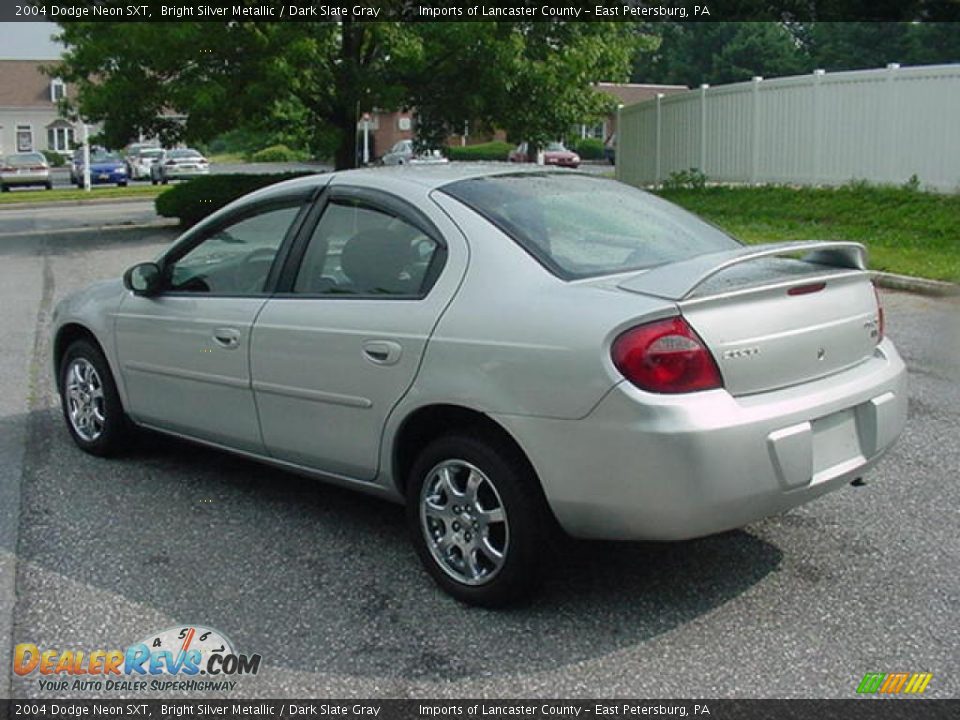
x: 143, y: 279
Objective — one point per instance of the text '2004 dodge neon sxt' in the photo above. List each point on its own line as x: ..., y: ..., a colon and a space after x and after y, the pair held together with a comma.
x: 509, y: 353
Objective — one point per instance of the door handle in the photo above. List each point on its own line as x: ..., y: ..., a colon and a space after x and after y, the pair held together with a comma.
x: 228, y: 338
x: 382, y: 352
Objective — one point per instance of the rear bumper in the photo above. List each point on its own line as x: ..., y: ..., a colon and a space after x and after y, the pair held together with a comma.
x: 180, y: 173
x: 659, y: 467
x: 38, y: 178
x: 107, y: 178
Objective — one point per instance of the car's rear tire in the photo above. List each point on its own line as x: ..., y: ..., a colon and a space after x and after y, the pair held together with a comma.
x: 478, y: 519
x: 4, y: 188
x: 49, y: 186
x: 89, y: 400
x: 121, y: 184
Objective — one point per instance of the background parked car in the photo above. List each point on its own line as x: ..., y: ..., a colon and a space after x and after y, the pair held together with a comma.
x: 177, y: 165
x: 403, y: 153
x: 140, y: 162
x: 554, y: 153
x: 23, y: 169
x: 106, y: 168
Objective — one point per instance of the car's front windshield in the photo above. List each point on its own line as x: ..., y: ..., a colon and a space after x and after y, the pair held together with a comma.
x: 555, y: 147
x: 581, y: 226
x: 104, y: 157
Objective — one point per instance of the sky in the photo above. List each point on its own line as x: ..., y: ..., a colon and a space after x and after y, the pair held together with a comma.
x: 28, y: 41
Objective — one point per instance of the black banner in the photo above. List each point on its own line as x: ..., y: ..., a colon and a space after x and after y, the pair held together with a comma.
x: 466, y: 10
x: 855, y: 709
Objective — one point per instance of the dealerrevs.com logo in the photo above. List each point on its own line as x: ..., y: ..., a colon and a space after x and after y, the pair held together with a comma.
x: 173, y: 659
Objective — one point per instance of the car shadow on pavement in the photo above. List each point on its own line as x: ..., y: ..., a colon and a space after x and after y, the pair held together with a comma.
x: 317, y: 578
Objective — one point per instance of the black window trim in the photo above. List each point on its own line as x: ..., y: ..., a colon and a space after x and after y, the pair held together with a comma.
x: 302, y: 197
x: 377, y: 200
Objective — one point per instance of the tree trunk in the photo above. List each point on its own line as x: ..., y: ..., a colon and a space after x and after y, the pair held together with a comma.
x: 345, y: 114
x: 345, y: 156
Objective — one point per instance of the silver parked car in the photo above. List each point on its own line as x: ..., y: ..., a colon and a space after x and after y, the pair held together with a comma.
x: 504, y: 351
x: 23, y: 170
x: 178, y: 164
x: 141, y: 161
x: 404, y: 153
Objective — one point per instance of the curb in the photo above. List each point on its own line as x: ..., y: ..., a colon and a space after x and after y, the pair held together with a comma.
x: 156, y: 225
x: 921, y: 286
x: 73, y: 203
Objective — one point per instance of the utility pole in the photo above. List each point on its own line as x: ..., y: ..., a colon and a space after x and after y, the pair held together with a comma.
x: 86, y: 156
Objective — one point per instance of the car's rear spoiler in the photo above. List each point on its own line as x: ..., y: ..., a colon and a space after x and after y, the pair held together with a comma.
x: 677, y: 281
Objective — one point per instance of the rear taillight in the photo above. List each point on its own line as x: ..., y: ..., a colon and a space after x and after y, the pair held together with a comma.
x: 665, y: 356
x: 881, y: 325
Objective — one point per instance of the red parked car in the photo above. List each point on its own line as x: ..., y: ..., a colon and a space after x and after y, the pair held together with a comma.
x: 553, y: 154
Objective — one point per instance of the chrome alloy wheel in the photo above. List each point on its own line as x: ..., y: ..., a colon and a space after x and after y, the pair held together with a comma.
x: 464, y: 522
x: 85, y: 401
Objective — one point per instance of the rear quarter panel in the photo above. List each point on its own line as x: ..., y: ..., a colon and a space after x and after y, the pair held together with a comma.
x: 518, y: 340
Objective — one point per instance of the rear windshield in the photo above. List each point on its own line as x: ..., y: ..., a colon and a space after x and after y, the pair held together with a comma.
x: 580, y: 226
x: 26, y: 159
x: 183, y: 154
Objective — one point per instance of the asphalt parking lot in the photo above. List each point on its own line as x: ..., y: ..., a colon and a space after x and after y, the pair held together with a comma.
x: 323, y: 584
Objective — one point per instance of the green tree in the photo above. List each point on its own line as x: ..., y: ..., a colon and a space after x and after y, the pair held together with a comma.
x: 194, y: 81
x: 532, y: 80
x: 720, y: 52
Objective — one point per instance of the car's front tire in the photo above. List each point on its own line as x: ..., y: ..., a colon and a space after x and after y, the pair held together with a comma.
x: 89, y: 400
x: 478, y: 519
x: 122, y: 184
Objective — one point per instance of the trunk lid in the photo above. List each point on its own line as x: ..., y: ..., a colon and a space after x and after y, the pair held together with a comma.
x: 773, y: 321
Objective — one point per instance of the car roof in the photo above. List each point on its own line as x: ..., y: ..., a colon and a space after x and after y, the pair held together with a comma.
x: 433, y: 176
x: 423, y: 178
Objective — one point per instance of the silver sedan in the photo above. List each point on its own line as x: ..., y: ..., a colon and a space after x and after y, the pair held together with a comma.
x: 23, y: 170
x: 510, y: 353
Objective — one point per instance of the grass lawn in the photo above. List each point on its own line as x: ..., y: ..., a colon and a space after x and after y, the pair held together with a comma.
x: 907, y: 232
x: 105, y: 193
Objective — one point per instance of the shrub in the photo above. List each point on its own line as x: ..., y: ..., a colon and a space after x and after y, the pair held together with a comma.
x: 485, y: 152
x: 194, y: 200
x: 588, y: 148
x: 692, y: 179
x: 54, y: 158
x: 276, y: 153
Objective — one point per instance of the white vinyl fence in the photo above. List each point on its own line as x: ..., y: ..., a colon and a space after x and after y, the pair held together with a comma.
x: 882, y: 126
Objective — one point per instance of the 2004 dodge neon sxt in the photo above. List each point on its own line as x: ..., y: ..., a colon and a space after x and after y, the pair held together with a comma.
x: 503, y: 351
